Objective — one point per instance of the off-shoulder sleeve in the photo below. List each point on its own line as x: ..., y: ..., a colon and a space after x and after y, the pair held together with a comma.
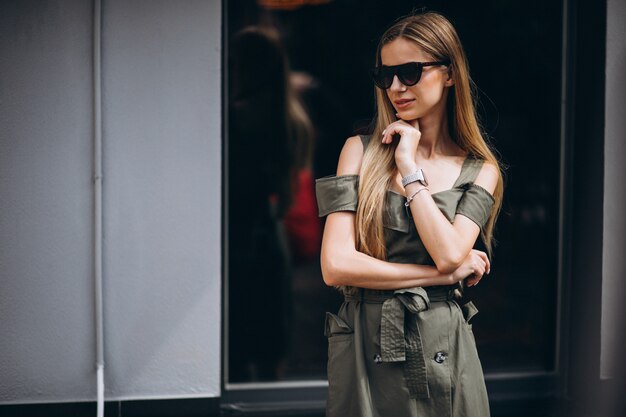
x: 476, y: 204
x: 336, y: 193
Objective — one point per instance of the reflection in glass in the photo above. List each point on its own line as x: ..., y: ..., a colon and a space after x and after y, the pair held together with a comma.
x: 270, y: 137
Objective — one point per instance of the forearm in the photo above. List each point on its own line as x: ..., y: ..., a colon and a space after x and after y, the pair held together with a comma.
x: 360, y: 270
x: 440, y: 237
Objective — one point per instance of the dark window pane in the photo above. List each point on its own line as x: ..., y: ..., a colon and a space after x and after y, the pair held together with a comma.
x: 277, y: 298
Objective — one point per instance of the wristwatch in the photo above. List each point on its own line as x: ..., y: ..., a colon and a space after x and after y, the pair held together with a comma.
x: 416, y: 176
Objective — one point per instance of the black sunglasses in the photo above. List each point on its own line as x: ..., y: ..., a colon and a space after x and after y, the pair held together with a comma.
x: 409, y: 74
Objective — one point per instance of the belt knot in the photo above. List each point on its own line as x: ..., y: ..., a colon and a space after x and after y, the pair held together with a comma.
x: 405, y: 345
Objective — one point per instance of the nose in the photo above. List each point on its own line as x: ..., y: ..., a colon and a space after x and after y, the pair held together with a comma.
x: 396, y: 85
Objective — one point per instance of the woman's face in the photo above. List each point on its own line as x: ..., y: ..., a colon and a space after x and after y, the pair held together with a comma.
x: 425, y: 97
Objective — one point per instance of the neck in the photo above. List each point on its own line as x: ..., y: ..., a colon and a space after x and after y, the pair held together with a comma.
x: 435, y: 139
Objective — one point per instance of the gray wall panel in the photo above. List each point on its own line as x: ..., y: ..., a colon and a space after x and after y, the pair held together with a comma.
x: 46, y: 289
x: 162, y: 197
x: 162, y: 176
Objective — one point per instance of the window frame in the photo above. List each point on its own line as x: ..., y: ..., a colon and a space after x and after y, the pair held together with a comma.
x: 502, y: 386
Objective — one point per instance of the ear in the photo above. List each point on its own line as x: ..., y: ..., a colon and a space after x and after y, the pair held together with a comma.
x: 450, y: 81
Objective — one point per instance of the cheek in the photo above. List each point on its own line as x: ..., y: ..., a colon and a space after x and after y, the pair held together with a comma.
x: 429, y: 95
x: 435, y: 95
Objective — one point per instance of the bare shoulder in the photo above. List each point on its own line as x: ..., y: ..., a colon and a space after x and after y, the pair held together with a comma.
x: 351, y: 157
x: 488, y: 176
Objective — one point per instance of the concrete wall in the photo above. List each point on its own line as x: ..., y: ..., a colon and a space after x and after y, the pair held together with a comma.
x: 161, y: 179
x: 614, y: 244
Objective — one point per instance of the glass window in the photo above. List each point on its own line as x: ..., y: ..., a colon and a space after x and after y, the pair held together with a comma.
x: 298, y: 86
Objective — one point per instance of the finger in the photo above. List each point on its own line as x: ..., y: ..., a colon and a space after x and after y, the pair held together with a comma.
x: 473, y: 283
x: 476, y: 278
x: 388, y: 133
x: 384, y: 138
x: 473, y: 280
x: 487, y: 263
x: 485, y: 259
x: 481, y: 272
x: 480, y: 264
x: 479, y: 269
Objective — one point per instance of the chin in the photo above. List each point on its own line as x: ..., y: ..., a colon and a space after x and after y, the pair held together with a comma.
x: 413, y: 114
x: 408, y: 115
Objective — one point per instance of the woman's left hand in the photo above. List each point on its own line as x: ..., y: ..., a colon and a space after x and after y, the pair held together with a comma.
x: 407, y: 146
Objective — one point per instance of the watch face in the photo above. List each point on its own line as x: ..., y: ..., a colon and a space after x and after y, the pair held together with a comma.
x: 423, y: 179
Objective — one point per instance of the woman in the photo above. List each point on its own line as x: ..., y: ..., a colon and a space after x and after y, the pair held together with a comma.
x: 427, y: 185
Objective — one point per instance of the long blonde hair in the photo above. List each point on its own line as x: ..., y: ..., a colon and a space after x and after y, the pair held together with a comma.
x: 437, y: 37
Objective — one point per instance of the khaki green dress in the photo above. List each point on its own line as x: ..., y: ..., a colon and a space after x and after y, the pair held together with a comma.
x: 408, y: 352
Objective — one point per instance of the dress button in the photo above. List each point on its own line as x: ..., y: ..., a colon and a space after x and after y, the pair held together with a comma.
x: 378, y: 358
x: 440, y: 357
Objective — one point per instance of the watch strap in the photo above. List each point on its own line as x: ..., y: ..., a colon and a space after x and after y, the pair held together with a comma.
x: 416, y: 176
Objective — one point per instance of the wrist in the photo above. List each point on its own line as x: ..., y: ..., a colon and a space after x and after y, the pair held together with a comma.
x: 413, y: 194
x: 406, y: 168
x: 416, y: 176
x: 411, y: 188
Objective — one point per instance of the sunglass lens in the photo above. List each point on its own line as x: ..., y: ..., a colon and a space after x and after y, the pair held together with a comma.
x: 409, y: 74
x: 382, y: 77
x: 387, y: 77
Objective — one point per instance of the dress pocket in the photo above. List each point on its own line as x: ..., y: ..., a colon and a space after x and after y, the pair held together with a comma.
x: 341, y: 369
x: 469, y: 310
x: 336, y: 329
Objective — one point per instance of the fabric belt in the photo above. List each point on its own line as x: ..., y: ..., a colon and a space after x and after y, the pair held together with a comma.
x: 400, y: 339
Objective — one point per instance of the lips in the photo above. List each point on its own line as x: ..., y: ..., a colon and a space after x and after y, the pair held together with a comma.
x: 403, y: 102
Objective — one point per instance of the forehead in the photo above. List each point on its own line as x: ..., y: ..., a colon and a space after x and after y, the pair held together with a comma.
x: 400, y: 51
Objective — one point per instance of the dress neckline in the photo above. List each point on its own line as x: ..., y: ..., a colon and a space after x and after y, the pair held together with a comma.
x: 454, y: 186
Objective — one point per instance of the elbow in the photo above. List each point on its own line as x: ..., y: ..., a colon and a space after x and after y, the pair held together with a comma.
x: 449, y: 264
x: 330, y: 273
x: 333, y: 269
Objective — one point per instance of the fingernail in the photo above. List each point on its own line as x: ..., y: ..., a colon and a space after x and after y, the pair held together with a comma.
x: 384, y: 131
